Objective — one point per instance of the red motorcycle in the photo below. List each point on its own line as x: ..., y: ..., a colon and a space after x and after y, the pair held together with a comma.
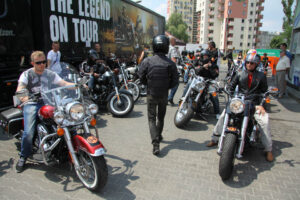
x: 63, y: 132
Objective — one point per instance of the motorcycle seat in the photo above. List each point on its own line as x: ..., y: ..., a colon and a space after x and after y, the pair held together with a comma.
x: 11, y: 113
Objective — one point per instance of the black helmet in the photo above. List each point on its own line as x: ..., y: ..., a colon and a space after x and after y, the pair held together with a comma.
x: 161, y: 44
x: 204, y: 52
x: 93, y: 55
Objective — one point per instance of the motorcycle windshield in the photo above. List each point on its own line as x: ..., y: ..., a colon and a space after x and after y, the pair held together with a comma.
x: 56, y: 89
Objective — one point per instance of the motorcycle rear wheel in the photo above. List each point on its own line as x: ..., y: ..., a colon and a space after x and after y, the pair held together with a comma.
x: 227, y: 156
x: 124, y: 108
x: 93, y: 171
x: 183, y: 116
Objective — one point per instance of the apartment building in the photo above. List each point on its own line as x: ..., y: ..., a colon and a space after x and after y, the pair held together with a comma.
x: 187, y: 9
x: 229, y: 23
x: 265, y: 38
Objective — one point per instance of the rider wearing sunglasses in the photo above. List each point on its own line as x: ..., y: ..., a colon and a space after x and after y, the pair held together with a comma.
x: 250, y: 81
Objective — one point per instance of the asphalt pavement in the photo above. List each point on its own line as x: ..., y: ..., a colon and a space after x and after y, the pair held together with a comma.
x: 185, y: 169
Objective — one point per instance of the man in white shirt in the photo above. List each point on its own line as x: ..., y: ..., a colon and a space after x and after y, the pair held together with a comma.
x: 53, y: 58
x: 282, y: 68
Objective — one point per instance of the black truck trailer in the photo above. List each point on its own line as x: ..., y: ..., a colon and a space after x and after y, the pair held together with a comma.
x: 121, y: 27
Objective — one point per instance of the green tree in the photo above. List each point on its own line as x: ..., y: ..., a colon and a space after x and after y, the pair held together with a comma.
x: 287, y: 20
x: 177, y: 27
x: 276, y: 41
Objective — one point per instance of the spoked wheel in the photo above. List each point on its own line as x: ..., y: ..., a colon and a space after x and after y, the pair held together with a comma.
x: 92, y: 171
x: 134, y: 90
x: 183, y: 116
x: 122, y: 106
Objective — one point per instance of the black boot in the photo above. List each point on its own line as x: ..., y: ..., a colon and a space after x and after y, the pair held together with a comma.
x: 155, y: 149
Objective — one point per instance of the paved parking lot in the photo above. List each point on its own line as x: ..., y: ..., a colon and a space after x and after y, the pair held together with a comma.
x: 186, y: 168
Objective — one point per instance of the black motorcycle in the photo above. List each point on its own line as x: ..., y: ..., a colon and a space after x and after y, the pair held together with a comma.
x: 240, y: 129
x: 106, y: 92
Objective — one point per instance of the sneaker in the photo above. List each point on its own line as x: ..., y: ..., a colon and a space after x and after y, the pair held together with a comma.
x: 21, y: 164
x: 217, y: 116
x: 155, y: 149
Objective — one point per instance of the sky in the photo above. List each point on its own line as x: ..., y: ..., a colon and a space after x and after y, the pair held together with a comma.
x: 272, y: 20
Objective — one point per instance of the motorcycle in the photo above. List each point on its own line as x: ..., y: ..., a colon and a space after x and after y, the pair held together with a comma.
x: 127, y: 84
x: 196, y: 99
x: 239, y: 130
x: 106, y: 92
x: 63, y: 131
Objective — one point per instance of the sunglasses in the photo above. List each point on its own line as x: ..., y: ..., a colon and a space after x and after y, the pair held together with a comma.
x: 41, y: 62
x: 251, y: 63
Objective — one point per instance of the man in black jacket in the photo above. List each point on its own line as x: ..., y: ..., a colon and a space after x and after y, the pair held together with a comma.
x: 159, y: 73
x: 249, y: 82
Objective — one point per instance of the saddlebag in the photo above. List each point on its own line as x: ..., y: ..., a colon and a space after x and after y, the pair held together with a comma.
x: 11, y: 120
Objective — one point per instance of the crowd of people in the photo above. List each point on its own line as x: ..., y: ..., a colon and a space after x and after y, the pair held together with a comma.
x: 159, y: 73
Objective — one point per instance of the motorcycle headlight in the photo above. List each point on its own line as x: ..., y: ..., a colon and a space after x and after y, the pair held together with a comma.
x: 59, y: 117
x: 198, y: 85
x: 237, y: 106
x: 75, y: 110
x: 93, y: 108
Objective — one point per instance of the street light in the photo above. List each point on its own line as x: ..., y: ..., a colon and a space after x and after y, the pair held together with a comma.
x: 138, y: 1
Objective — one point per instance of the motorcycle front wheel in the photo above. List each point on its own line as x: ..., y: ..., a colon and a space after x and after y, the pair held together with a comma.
x: 134, y: 90
x: 183, y: 116
x: 121, y: 107
x: 92, y: 171
x: 227, y: 156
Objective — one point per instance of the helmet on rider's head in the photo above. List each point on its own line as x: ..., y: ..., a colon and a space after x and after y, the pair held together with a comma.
x: 253, y: 57
x: 251, y: 51
x: 92, y: 56
x: 161, y: 44
x: 204, y: 52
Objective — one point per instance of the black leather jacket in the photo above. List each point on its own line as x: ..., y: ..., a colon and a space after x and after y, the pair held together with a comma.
x: 259, y: 83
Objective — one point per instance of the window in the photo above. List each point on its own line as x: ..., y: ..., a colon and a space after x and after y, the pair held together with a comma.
x: 229, y: 3
x: 248, y: 44
x: 251, y: 12
x: 229, y: 11
x: 250, y: 28
x: 242, y: 28
x: 241, y: 44
x: 242, y: 36
x: 243, y: 20
x: 249, y: 36
x: 252, y: 4
x: 244, y: 4
x: 250, y: 20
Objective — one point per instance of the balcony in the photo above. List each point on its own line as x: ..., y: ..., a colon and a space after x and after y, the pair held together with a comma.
x: 211, y: 13
x: 221, y: 15
x: 231, y: 30
x: 210, y: 20
x: 230, y: 39
x: 210, y: 35
x: 258, y: 32
x: 260, y: 8
x: 210, y: 27
x: 259, y: 24
x: 221, y: 8
x: 229, y: 47
x: 260, y: 16
x: 261, y: 1
x: 221, y: 1
x: 211, y: 5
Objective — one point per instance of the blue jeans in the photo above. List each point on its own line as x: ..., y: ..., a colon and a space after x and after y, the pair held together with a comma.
x: 30, y: 112
x: 91, y: 82
x: 186, y: 76
x: 172, y: 93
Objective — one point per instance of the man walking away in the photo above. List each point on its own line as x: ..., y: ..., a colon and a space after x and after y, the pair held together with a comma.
x: 160, y: 74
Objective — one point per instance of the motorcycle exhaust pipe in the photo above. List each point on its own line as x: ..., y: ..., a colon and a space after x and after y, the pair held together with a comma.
x: 243, y: 135
x: 223, y: 134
